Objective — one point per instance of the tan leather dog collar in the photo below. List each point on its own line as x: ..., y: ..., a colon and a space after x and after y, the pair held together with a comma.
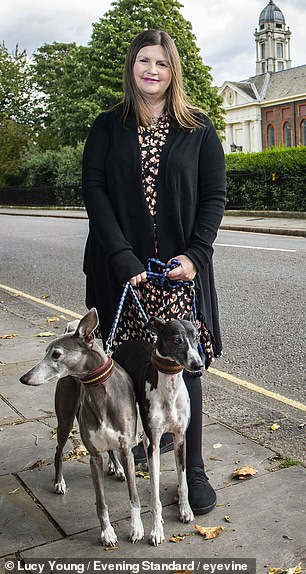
x: 164, y: 365
x: 100, y: 375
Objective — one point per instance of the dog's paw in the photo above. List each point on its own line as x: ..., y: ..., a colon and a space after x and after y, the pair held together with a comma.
x: 157, y: 536
x: 116, y: 470
x: 60, y: 487
x: 186, y: 514
x: 108, y: 537
x: 137, y: 533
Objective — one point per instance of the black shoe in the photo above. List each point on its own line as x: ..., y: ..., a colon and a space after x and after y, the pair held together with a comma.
x: 202, y: 497
x: 165, y: 445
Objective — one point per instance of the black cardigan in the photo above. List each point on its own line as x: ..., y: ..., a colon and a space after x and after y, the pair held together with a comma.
x: 190, y: 205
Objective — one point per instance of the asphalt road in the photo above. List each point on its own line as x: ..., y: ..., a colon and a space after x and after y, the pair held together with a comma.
x: 261, y: 286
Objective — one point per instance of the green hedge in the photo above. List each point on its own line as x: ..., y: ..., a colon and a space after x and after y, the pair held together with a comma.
x: 272, y: 179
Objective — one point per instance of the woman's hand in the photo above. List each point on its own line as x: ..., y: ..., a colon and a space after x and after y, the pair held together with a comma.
x: 134, y: 281
x: 186, y: 271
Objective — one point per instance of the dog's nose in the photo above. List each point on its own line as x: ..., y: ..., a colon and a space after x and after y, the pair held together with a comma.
x: 24, y: 379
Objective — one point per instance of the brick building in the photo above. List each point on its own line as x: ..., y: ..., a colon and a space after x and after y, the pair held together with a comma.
x: 268, y: 109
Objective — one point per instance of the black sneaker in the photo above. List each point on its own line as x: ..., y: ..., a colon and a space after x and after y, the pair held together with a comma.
x: 202, y: 497
x: 165, y: 445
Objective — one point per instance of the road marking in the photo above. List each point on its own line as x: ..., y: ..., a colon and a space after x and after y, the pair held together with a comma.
x: 253, y: 247
x: 261, y: 390
x: 37, y: 300
x: 221, y: 374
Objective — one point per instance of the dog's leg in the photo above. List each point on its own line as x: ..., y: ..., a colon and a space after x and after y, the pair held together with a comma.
x: 108, y: 536
x: 137, y: 531
x: 186, y: 514
x: 114, y: 465
x: 67, y: 402
x: 153, y: 456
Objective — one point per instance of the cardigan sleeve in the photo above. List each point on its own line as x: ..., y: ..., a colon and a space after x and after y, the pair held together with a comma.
x: 212, y: 194
x: 101, y: 212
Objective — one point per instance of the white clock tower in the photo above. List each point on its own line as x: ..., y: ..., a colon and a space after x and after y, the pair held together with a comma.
x: 272, y: 41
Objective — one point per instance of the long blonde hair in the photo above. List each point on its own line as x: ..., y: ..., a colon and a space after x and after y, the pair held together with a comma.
x: 178, y: 107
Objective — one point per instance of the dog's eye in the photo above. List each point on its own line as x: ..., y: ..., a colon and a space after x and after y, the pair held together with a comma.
x: 56, y: 355
x: 177, y: 339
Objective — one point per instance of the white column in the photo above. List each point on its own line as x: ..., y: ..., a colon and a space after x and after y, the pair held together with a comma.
x: 228, y: 137
x: 257, y: 144
x: 246, y: 136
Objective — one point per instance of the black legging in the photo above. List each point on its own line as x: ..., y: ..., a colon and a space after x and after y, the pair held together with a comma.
x: 194, y: 431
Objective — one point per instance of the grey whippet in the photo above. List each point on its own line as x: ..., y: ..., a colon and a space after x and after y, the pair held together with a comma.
x: 99, y: 392
x: 163, y: 401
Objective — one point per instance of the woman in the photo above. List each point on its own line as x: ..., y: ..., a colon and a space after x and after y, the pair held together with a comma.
x: 154, y: 186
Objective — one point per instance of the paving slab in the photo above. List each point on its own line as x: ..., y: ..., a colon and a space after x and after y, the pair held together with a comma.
x: 258, y: 529
x: 30, y: 401
x: 23, y: 523
x: 221, y: 462
x: 26, y: 444
x: 22, y: 342
x: 7, y: 414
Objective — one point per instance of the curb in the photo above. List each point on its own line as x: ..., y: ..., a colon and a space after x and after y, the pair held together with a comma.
x: 265, y: 230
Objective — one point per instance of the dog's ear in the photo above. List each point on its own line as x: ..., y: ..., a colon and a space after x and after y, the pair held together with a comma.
x: 72, y: 326
x: 155, y: 324
x: 87, y: 325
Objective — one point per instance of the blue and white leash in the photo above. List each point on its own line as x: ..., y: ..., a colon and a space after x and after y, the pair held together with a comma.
x: 159, y: 278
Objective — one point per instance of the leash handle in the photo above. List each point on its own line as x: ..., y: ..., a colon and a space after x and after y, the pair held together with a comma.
x: 159, y: 278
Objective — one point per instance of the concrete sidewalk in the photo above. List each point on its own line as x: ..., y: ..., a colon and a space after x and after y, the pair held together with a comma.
x: 263, y: 517
x: 288, y: 223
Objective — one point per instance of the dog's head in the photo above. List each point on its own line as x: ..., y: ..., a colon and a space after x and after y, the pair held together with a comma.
x: 177, y: 341
x: 67, y: 355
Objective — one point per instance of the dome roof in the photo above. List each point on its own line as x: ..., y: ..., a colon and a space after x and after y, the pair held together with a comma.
x: 271, y: 13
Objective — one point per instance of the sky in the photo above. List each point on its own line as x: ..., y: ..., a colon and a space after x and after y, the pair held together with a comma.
x: 224, y: 29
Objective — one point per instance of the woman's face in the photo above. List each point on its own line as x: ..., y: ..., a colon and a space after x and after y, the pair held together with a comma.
x: 152, y: 73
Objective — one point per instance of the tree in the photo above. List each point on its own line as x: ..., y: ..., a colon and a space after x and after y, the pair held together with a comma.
x: 20, y: 112
x: 19, y: 100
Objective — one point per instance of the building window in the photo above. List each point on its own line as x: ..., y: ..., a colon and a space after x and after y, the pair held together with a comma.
x: 279, y: 50
x: 302, y: 110
x: 280, y: 66
x: 278, y: 25
x: 270, y: 116
x: 287, y: 134
x: 270, y: 134
x: 263, y: 67
x: 262, y: 51
x: 303, y: 132
x: 286, y: 113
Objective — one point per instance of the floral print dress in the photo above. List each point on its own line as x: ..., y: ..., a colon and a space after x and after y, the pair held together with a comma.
x: 157, y: 301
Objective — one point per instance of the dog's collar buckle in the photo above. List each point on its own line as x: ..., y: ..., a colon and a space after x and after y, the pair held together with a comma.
x: 164, y: 365
x: 100, y: 375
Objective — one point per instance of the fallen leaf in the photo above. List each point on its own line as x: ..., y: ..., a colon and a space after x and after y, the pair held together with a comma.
x: 227, y: 518
x: 274, y: 427
x: 244, y: 472
x: 46, y: 296
x: 52, y: 319
x: 217, y: 445
x: 287, y: 537
x: 15, y: 491
x: 209, y: 532
x: 46, y: 334
x: 53, y: 434
x: 296, y: 570
x: 143, y: 474
x: 39, y: 464
x: 79, y: 451
x: 179, y: 537
x: 11, y: 336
